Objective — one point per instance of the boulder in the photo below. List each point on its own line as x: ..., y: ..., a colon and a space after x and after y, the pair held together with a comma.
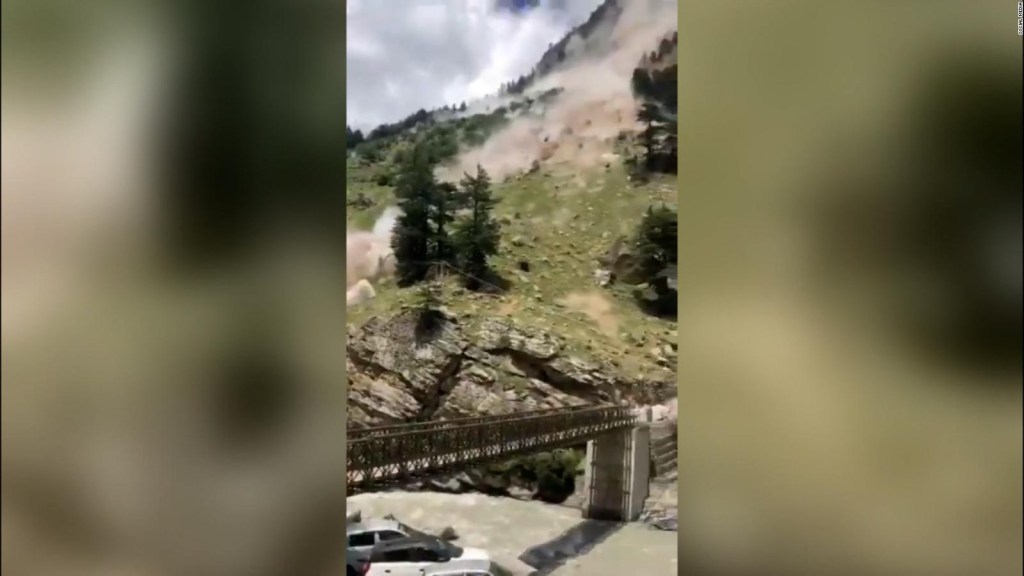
x: 361, y: 292
x: 621, y: 263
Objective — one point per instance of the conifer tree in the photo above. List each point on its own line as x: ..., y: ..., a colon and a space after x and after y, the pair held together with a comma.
x: 641, y: 82
x: 656, y: 240
x: 649, y: 135
x: 413, y: 231
x: 428, y: 305
x: 477, y: 236
x: 421, y: 239
x: 656, y: 251
x: 445, y: 200
x: 428, y: 297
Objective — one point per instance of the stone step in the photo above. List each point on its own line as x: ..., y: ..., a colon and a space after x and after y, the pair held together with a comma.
x: 667, y: 454
x: 659, y: 432
x: 656, y: 492
x: 664, y: 466
x: 662, y: 458
x: 671, y: 438
x: 662, y: 496
x: 667, y: 499
x: 665, y: 461
x: 664, y: 445
x: 660, y: 452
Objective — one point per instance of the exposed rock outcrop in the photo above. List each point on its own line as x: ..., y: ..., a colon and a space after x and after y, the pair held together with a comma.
x: 400, y: 370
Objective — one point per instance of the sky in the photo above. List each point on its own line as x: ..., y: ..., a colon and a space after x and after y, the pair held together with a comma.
x: 403, y: 55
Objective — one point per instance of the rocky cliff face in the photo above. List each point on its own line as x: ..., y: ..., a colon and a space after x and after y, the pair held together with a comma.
x: 401, y: 368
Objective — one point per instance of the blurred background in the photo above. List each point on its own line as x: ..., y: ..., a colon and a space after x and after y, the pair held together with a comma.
x: 850, y: 270
x: 173, y: 325
x: 172, y: 383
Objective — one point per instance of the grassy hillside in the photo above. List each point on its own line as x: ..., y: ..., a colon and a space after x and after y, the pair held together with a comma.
x: 559, y: 227
x: 556, y: 221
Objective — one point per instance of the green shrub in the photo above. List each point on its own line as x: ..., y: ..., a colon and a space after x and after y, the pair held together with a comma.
x: 551, y: 474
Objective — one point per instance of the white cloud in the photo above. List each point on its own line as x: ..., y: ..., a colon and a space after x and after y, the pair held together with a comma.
x: 404, y: 55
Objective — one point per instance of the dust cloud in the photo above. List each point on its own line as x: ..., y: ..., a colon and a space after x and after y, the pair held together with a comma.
x: 577, y: 129
x: 369, y: 257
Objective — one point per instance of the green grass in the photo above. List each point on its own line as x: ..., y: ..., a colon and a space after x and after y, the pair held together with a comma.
x: 560, y: 225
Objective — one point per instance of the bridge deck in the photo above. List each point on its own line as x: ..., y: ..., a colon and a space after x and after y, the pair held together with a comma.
x: 387, y: 455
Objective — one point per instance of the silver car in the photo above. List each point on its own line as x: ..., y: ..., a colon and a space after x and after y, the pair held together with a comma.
x: 363, y: 535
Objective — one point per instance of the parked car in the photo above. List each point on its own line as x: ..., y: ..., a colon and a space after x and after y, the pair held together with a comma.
x: 494, y: 570
x: 364, y: 535
x: 416, y: 555
x: 355, y: 566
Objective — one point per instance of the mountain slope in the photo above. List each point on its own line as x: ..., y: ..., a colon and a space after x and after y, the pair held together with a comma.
x: 565, y: 196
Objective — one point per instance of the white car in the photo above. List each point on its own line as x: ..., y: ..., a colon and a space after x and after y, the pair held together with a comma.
x: 363, y: 536
x: 423, y: 556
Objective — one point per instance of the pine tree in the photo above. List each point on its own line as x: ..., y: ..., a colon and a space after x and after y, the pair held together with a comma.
x: 421, y: 240
x: 641, y: 83
x: 413, y: 231
x: 477, y: 237
x: 656, y: 251
x: 353, y: 138
x: 664, y: 48
x: 649, y: 135
x: 656, y: 240
x: 428, y: 305
x: 444, y: 203
x: 670, y: 146
x: 428, y: 297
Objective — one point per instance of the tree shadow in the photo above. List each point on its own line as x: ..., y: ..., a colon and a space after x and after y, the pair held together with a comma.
x: 488, y: 282
x: 574, y: 542
x: 658, y: 301
x: 429, y: 325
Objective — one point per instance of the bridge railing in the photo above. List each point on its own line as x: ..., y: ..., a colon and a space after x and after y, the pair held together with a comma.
x: 416, y: 451
x: 363, y: 432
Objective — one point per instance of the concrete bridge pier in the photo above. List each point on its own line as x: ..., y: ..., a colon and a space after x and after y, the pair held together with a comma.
x: 617, y: 473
